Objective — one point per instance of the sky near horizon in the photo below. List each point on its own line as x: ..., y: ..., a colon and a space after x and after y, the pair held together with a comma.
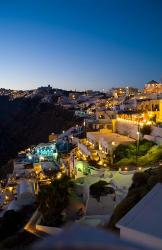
x: 80, y: 44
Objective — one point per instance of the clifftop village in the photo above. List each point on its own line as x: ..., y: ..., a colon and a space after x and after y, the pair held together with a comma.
x: 92, y: 165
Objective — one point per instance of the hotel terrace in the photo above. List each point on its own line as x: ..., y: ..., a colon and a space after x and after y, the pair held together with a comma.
x: 148, y: 112
x: 98, y: 145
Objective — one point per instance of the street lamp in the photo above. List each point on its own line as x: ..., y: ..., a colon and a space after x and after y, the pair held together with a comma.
x: 113, y: 144
x: 137, y: 146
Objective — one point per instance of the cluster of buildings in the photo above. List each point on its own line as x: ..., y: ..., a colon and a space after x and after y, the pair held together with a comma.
x: 87, y: 164
x: 34, y: 165
x: 145, y: 103
x: 109, y: 121
x: 14, y: 94
x: 87, y: 156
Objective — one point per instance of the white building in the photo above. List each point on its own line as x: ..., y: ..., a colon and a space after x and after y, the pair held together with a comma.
x: 97, y: 212
x: 103, y: 207
x: 14, y: 205
x: 143, y: 223
x: 122, y: 179
x: 108, y: 141
x: 19, y: 168
x: 25, y: 193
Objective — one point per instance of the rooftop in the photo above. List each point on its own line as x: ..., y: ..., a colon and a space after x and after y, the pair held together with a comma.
x: 146, y: 216
x: 152, y: 82
x: 85, y: 237
x: 109, y: 137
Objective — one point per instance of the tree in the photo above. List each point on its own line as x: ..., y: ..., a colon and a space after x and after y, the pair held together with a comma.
x: 139, y: 179
x: 126, y: 204
x: 145, y: 130
x: 54, y: 199
x: 99, y: 189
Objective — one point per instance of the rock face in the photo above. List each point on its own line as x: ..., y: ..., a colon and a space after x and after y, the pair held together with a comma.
x: 28, y: 121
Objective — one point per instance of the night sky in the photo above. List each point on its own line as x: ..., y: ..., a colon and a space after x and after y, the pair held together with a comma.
x: 80, y: 44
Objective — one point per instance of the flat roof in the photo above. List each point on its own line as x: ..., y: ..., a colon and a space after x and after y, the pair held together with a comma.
x: 79, y: 236
x: 109, y: 136
x: 122, y: 179
x: 146, y: 215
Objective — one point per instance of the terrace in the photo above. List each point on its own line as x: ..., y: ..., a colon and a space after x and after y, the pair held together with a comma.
x: 99, y: 146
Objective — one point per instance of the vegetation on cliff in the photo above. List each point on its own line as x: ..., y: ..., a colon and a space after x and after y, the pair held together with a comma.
x: 26, y: 122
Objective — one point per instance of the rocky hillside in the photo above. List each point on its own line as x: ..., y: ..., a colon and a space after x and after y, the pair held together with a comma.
x: 25, y: 122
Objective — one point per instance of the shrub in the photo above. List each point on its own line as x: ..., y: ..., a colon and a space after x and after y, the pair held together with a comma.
x: 126, y: 154
x: 142, y: 184
x: 146, y: 130
x: 127, y: 162
x: 127, y: 203
x: 139, y: 179
x: 124, y: 151
x: 153, y: 155
x: 145, y: 146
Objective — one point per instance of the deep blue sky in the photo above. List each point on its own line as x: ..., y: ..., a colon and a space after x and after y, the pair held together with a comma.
x: 80, y: 44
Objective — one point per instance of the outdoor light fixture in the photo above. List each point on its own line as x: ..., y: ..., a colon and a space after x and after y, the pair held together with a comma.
x: 59, y: 175
x: 41, y: 158
x: 30, y: 157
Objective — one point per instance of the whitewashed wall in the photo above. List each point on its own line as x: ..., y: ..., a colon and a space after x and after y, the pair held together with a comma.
x: 126, y: 128
x: 130, y: 129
